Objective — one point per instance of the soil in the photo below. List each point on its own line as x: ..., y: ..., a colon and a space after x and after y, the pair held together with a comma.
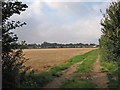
x: 98, y: 77
x: 66, y: 74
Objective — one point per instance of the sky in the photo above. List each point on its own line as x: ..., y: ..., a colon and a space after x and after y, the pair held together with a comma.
x: 61, y: 22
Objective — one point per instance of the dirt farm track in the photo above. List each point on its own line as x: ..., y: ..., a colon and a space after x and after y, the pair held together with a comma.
x: 41, y: 59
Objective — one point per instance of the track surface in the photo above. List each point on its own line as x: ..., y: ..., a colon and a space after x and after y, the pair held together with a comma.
x: 96, y: 76
x: 66, y: 74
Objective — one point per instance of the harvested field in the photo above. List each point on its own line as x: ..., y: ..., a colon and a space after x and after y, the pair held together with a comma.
x: 41, y: 59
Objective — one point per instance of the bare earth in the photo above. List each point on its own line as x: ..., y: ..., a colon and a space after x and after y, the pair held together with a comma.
x: 66, y: 74
x: 41, y: 59
x: 97, y: 76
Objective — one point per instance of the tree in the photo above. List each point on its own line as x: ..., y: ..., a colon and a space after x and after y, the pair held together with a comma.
x: 12, y: 60
x: 110, y: 40
x: 22, y: 45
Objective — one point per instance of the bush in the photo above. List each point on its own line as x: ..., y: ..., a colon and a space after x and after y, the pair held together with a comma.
x: 110, y: 40
x: 78, y: 83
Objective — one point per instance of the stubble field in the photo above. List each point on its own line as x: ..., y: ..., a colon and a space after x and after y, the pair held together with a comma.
x: 41, y: 59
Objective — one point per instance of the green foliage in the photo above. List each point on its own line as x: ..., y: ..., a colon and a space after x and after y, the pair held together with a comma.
x: 112, y: 72
x: 78, y: 83
x: 8, y: 37
x: 110, y: 40
x: 22, y: 45
x: 60, y: 67
x: 87, y: 65
x: 36, y: 80
x: 12, y: 60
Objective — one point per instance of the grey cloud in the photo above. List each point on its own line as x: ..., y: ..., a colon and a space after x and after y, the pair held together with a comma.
x: 85, y: 28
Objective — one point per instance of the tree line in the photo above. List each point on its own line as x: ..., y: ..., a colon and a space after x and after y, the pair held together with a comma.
x: 24, y: 45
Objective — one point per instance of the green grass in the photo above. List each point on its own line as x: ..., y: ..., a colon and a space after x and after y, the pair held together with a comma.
x: 41, y: 79
x: 78, y: 83
x: 87, y: 65
x: 111, y: 66
x: 36, y: 80
x: 112, y: 71
x: 70, y: 62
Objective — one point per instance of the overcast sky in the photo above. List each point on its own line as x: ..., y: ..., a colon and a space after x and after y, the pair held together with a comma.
x: 61, y: 22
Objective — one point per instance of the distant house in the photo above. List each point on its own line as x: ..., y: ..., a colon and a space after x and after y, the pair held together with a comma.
x: 95, y: 46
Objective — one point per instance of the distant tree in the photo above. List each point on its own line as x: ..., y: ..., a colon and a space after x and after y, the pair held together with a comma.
x: 23, y: 45
x: 12, y: 60
x: 56, y: 45
x: 92, y: 44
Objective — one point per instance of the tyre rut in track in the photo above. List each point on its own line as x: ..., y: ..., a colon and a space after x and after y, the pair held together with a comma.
x: 98, y: 77
x: 66, y: 74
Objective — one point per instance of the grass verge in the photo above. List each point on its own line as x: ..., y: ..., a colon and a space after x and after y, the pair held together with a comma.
x: 112, y: 72
x: 78, y: 83
x: 87, y: 65
x: 70, y: 62
x: 85, y: 68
